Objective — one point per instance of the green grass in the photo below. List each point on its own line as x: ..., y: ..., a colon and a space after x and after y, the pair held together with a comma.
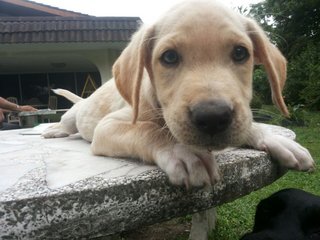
x: 236, y: 218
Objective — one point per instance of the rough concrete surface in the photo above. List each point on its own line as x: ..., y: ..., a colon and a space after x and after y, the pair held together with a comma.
x: 38, y: 202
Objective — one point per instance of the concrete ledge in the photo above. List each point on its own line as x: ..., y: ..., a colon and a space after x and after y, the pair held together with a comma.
x: 123, y: 196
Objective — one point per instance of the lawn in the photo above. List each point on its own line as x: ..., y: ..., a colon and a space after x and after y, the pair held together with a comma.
x: 236, y: 218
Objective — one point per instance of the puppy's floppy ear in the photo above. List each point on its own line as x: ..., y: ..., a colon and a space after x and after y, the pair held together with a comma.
x: 129, y: 68
x: 267, y: 54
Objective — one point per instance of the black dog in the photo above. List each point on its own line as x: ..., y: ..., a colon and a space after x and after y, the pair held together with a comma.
x: 290, y: 214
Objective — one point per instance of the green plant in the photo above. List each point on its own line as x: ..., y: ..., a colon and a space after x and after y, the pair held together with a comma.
x: 294, y: 27
x: 256, y: 101
x: 261, y: 88
x: 297, y: 116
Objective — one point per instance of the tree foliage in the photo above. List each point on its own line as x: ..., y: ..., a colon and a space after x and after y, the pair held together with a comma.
x: 294, y: 26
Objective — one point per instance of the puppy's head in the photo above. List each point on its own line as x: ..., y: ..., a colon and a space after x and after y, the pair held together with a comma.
x: 199, y: 58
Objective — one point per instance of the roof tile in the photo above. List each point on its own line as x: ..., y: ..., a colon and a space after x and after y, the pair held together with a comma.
x: 67, y: 29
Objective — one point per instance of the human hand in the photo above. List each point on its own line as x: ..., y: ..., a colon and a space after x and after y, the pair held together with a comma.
x: 27, y: 108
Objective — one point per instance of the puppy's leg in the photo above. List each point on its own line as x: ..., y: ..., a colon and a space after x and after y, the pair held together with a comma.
x: 289, y: 153
x: 187, y: 166
x: 116, y: 136
x: 65, y: 127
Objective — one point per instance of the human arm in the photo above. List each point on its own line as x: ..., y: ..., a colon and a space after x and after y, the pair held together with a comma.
x: 1, y: 116
x: 6, y: 105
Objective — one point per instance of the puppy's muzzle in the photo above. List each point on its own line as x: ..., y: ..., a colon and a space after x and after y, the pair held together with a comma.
x: 211, y: 117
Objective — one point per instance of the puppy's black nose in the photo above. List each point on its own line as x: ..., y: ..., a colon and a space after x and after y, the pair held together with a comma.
x: 211, y: 117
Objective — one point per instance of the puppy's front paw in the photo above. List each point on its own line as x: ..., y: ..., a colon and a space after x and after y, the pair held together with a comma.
x: 184, y: 166
x: 289, y: 153
x: 54, y: 131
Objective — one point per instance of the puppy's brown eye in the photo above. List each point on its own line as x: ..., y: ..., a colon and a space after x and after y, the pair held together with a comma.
x: 170, y: 58
x: 240, y: 54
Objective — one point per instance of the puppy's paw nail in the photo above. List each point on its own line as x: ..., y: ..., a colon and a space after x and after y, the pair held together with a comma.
x: 312, y: 169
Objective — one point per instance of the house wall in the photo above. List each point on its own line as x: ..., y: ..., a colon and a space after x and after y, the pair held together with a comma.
x: 103, y: 61
x: 31, y: 70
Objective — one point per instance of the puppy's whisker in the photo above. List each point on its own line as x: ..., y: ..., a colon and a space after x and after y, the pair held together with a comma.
x: 151, y: 114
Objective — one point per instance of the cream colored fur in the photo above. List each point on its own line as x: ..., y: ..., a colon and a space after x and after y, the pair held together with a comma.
x: 144, y: 111
x: 67, y: 94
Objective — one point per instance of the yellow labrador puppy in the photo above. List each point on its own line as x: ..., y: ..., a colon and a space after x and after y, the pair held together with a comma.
x: 181, y: 89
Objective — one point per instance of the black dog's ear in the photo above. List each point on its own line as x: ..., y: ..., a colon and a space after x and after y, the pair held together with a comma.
x: 311, y: 222
x: 266, y: 211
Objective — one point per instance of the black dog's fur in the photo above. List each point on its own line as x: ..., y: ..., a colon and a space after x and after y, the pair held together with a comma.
x: 290, y: 214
